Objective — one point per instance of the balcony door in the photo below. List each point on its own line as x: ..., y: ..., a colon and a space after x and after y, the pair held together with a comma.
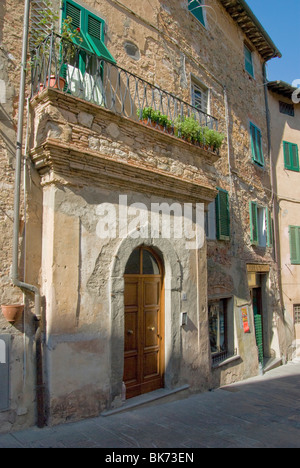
x: 144, y: 323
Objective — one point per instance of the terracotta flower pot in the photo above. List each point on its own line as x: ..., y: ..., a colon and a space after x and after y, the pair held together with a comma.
x: 53, y: 82
x: 12, y: 312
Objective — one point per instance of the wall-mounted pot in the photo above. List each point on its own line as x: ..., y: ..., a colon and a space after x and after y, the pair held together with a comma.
x: 12, y: 312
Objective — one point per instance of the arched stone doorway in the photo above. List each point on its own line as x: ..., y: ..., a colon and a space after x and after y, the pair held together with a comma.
x: 143, y: 322
x: 172, y: 278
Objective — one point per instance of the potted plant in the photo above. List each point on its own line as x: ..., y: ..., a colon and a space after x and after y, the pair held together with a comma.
x: 213, y: 139
x: 12, y: 312
x: 150, y: 115
x: 46, y: 44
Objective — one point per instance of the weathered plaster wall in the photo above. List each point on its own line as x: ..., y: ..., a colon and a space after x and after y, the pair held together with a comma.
x: 286, y: 128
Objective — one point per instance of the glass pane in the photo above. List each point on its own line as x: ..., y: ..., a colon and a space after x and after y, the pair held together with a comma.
x: 150, y: 266
x: 133, y: 264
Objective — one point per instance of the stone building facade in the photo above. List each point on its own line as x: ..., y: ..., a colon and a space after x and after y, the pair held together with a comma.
x: 125, y: 304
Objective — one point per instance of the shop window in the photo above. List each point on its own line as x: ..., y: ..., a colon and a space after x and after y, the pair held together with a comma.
x: 221, y: 330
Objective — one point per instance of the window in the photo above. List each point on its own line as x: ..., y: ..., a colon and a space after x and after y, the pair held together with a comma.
x: 291, y: 156
x: 210, y: 221
x: 297, y: 314
x: 222, y: 215
x: 217, y: 326
x: 221, y: 330
x: 248, y: 61
x: 295, y: 244
x: 200, y: 97
x: 286, y: 108
x: 196, y: 8
x: 261, y: 225
x: 256, y: 145
x: 91, y: 30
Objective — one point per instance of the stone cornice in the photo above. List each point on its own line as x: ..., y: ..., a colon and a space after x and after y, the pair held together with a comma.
x: 75, y: 167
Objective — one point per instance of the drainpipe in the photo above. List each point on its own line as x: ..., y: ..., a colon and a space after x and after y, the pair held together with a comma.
x: 15, y: 274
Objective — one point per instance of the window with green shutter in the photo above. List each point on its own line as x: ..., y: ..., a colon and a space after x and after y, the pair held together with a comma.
x: 256, y: 145
x: 222, y: 215
x: 196, y: 8
x: 261, y: 225
x: 295, y: 244
x: 249, y: 67
x: 291, y: 156
x: 91, y: 29
x: 253, y: 223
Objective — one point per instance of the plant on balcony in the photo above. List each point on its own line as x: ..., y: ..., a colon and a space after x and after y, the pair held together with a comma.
x: 213, y: 139
x: 43, y: 44
x: 149, y: 114
x: 187, y: 128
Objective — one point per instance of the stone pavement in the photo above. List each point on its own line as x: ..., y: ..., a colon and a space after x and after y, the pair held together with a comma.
x: 262, y: 412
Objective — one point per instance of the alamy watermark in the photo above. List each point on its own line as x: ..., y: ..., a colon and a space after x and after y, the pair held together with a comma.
x: 167, y: 221
x: 296, y: 93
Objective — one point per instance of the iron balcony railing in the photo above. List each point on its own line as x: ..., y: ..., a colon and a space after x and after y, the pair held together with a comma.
x: 58, y: 63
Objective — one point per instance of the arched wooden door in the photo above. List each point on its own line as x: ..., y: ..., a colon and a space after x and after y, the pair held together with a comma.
x: 144, y: 323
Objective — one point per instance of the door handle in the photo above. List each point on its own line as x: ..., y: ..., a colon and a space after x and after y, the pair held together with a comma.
x: 151, y: 328
x: 129, y: 332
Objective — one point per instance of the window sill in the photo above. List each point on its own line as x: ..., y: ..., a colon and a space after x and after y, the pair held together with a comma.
x: 226, y: 361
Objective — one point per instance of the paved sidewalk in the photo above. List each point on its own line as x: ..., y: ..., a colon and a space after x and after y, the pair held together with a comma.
x: 262, y: 412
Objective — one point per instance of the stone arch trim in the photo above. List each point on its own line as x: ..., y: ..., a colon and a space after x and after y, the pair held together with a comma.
x: 172, y: 278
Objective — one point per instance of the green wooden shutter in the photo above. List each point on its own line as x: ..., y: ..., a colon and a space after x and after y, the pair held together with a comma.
x: 291, y: 156
x: 222, y: 215
x: 256, y: 145
x: 91, y: 31
x: 295, y: 157
x: 77, y: 13
x: 295, y: 244
x: 287, y: 158
x: 248, y: 61
x: 269, y: 228
x: 253, y: 223
x: 95, y: 35
x: 196, y: 8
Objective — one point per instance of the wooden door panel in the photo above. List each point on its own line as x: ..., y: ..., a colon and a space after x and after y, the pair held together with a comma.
x: 151, y: 330
x: 131, y: 374
x: 131, y: 331
x: 151, y: 364
x: 151, y: 292
x: 131, y: 293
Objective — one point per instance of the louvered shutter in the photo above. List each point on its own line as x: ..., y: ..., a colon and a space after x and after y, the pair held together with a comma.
x: 91, y: 30
x: 287, y: 157
x: 78, y: 23
x: 291, y: 156
x: 295, y: 244
x: 295, y: 157
x: 256, y: 145
x: 253, y: 223
x: 95, y: 35
x: 222, y: 215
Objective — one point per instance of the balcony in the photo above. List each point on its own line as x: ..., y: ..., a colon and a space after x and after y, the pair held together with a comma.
x: 59, y: 64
